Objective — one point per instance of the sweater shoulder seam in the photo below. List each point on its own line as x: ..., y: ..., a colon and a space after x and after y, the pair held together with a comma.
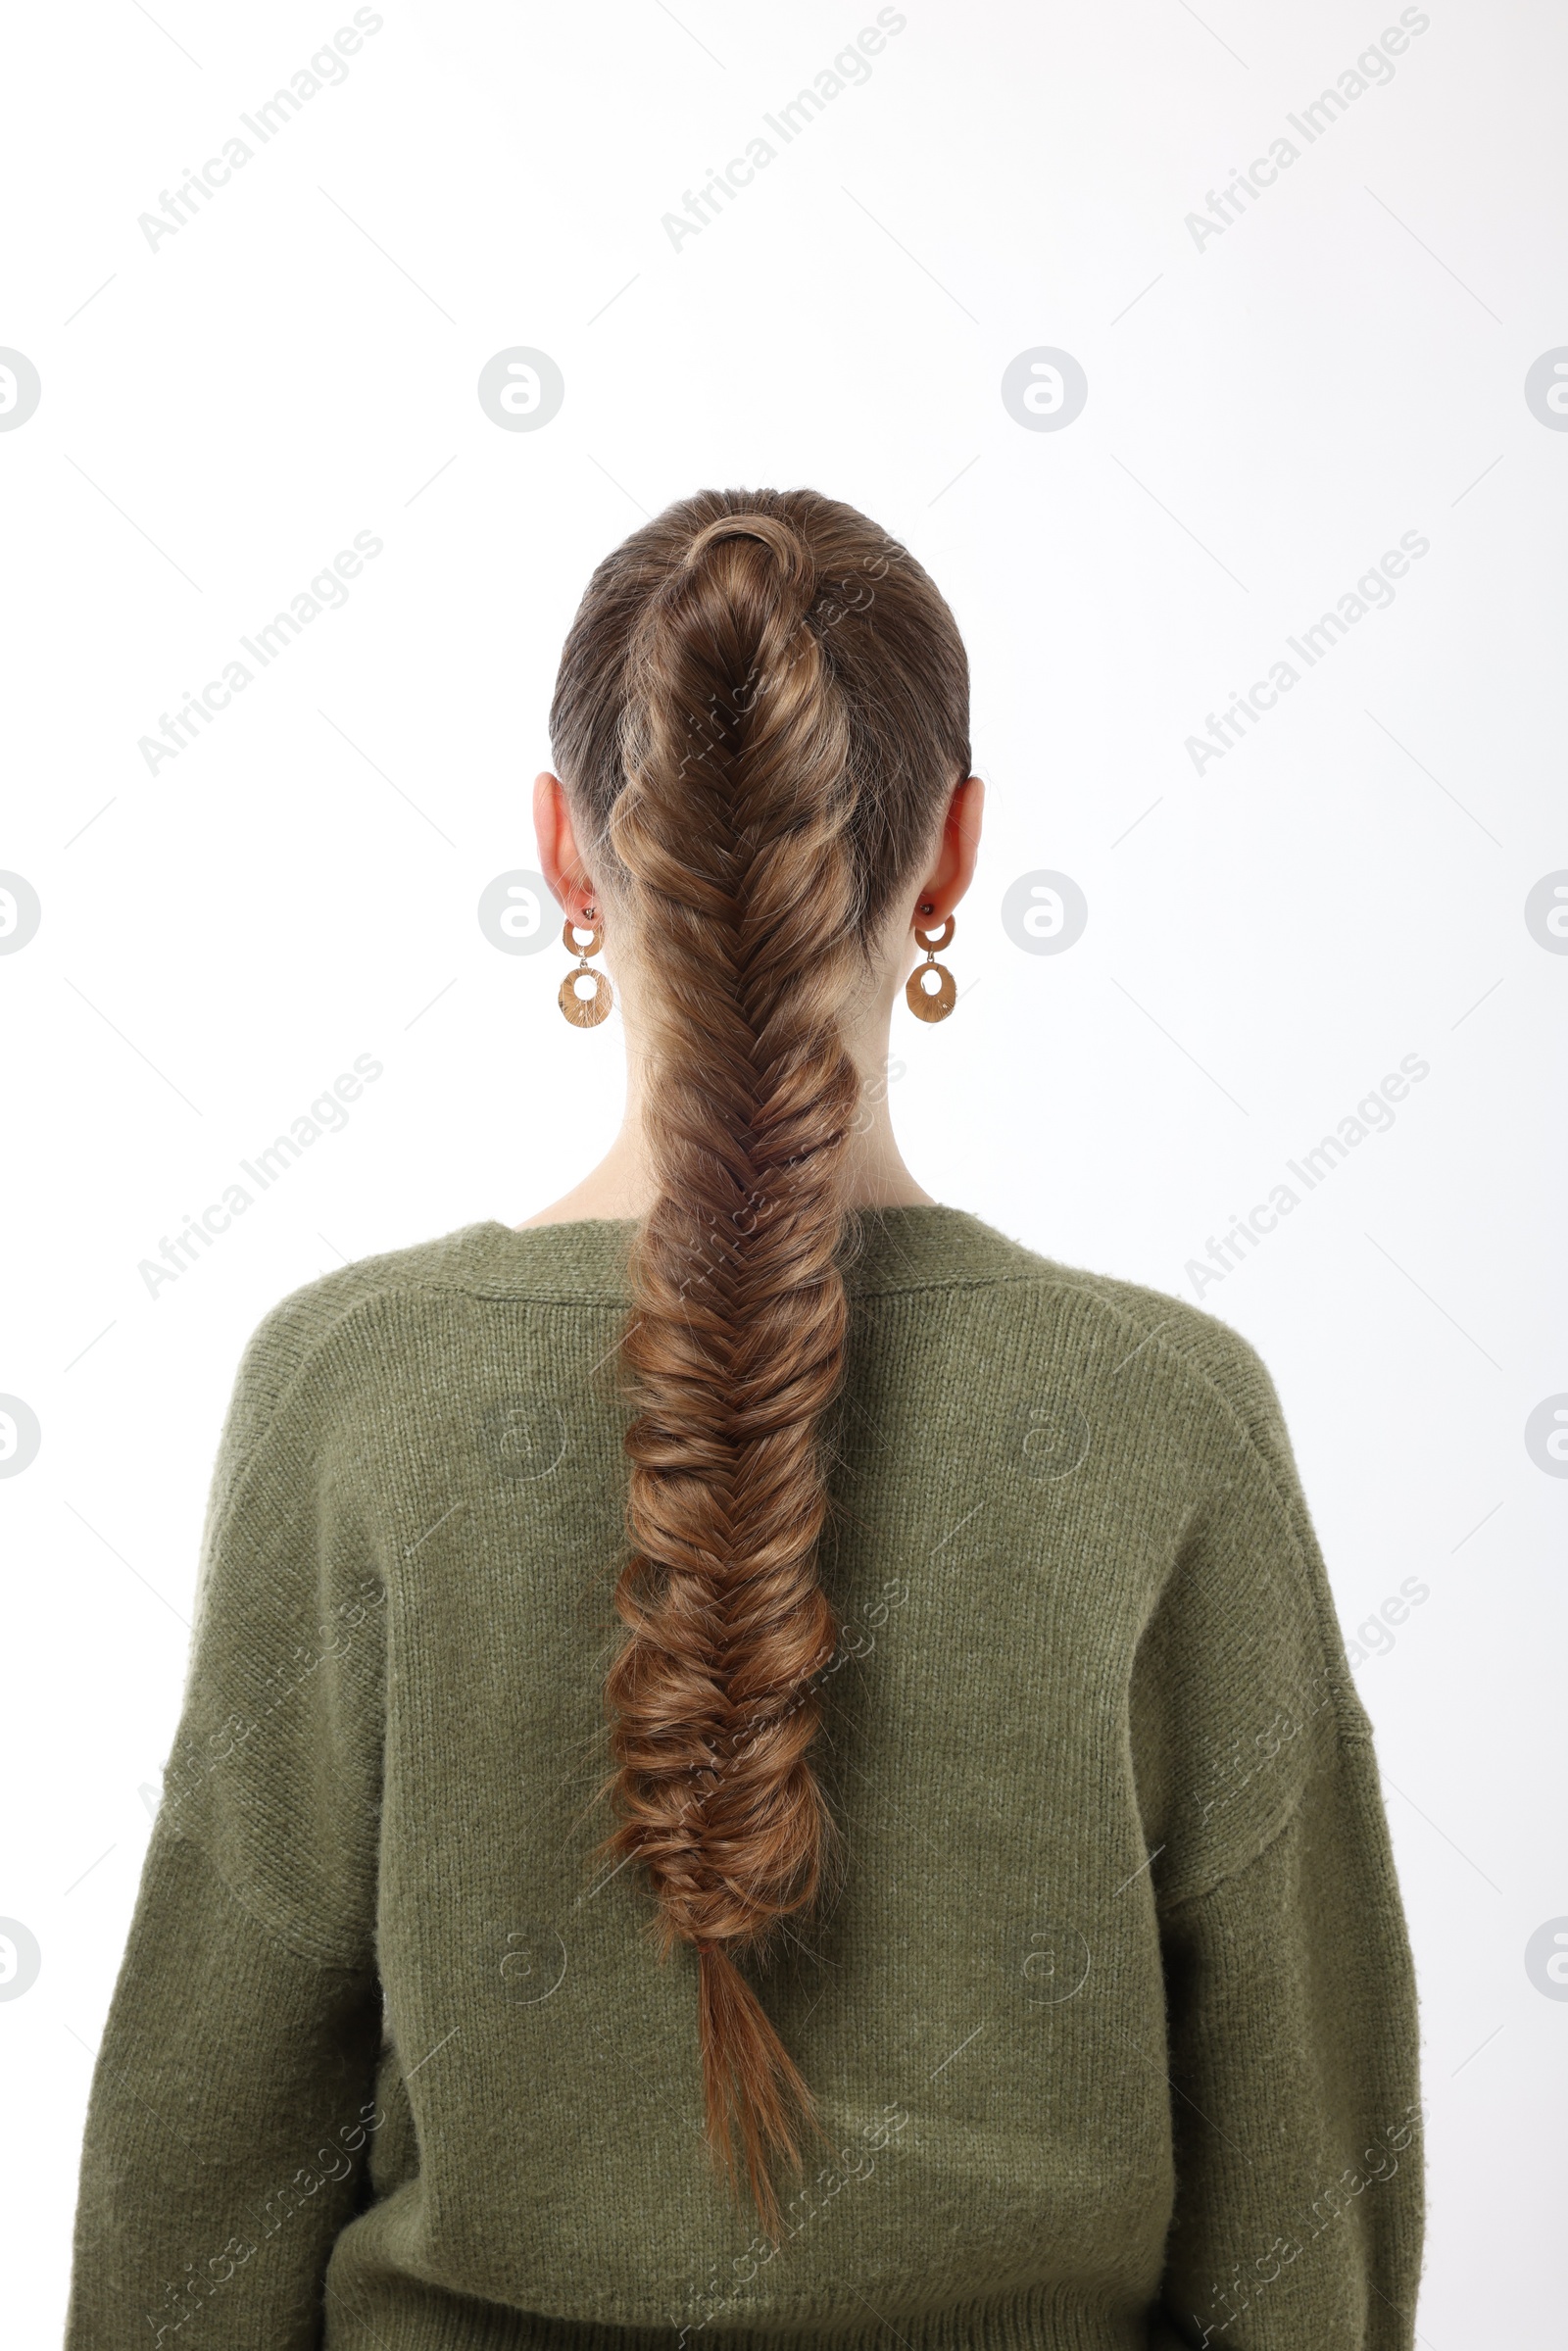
x: 245, y: 1467
x: 1350, y: 1726
x: 332, y: 1967
x: 1043, y: 1278
x: 1266, y: 1842
x: 1173, y: 1357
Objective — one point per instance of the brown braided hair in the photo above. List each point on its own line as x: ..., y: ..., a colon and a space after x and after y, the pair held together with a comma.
x: 761, y: 713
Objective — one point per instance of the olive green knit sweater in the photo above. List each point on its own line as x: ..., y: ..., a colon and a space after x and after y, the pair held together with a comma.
x: 1113, y: 2024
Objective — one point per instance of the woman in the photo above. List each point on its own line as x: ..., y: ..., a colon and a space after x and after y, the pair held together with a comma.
x: 982, y: 1760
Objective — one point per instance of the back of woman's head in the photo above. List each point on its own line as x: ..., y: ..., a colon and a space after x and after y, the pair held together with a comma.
x: 761, y: 715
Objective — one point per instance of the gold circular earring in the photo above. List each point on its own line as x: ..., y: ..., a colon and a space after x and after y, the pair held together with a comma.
x: 933, y: 1003
x: 584, y: 1011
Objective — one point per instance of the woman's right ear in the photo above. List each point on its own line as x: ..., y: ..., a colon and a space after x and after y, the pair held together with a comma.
x: 949, y: 877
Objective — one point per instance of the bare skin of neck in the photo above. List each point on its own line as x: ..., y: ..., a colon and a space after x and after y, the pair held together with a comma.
x: 622, y: 1185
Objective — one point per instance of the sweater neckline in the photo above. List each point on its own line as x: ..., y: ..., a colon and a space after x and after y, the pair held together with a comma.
x: 889, y: 1249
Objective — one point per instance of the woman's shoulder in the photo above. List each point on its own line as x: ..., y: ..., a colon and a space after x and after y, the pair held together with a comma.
x: 940, y: 1249
x: 942, y: 1260
x: 360, y: 1315
x: 554, y: 1263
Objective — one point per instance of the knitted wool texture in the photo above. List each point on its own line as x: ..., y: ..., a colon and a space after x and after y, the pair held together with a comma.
x: 1113, y: 2021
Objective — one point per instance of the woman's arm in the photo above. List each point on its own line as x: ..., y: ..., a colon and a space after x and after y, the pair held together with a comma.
x: 231, y: 2104
x: 1297, y: 2118
x: 232, y: 2099
x: 1292, y: 2022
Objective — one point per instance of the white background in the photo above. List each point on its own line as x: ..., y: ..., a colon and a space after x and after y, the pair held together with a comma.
x: 1266, y: 414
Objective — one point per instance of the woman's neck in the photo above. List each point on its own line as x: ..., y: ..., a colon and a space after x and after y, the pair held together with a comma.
x: 624, y: 1184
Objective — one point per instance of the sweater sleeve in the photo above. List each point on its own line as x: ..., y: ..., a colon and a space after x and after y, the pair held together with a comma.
x: 1292, y: 2016
x: 232, y: 2099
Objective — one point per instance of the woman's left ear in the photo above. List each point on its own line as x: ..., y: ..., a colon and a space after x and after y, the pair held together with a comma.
x: 559, y: 858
